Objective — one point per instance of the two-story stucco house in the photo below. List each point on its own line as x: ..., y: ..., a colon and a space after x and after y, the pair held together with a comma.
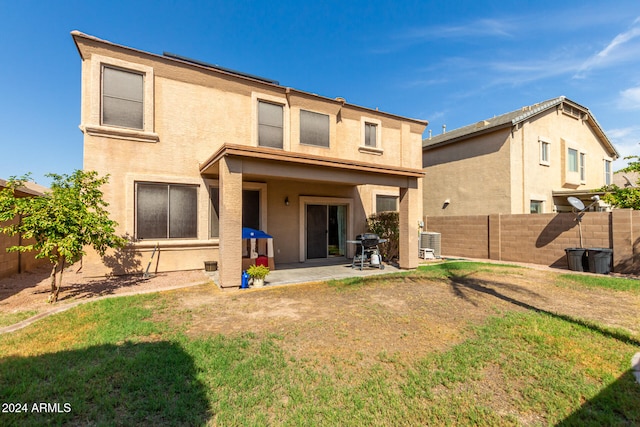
x: 195, y: 152
x: 525, y: 161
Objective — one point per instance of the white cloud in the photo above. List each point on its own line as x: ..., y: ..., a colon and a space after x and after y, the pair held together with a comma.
x: 630, y: 99
x: 626, y: 141
x: 619, y: 50
x: 478, y: 28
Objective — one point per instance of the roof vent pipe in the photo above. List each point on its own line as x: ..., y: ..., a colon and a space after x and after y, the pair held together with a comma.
x: 444, y: 129
x: 429, y: 133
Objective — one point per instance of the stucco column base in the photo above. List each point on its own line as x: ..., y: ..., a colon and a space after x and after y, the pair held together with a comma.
x: 410, y: 214
x: 230, y: 262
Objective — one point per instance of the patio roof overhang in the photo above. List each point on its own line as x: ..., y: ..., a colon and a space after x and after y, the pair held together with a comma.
x: 275, y: 163
x: 562, y: 204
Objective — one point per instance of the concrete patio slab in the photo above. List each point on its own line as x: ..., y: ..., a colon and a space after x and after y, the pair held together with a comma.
x: 317, y: 271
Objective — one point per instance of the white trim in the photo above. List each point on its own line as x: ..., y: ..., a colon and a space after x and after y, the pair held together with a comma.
x: 605, y: 161
x: 539, y: 198
x: 311, y: 200
x: 542, y: 141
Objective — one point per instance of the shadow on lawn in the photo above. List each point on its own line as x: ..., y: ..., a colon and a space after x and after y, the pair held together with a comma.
x: 130, y: 384
x: 459, y: 283
x: 615, y: 405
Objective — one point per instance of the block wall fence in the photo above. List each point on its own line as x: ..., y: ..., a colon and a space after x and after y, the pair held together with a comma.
x: 541, y: 238
x: 15, y: 262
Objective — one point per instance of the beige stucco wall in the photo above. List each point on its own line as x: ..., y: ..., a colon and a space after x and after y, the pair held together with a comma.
x: 474, y: 175
x: 534, y: 181
x: 501, y: 172
x: 190, y: 113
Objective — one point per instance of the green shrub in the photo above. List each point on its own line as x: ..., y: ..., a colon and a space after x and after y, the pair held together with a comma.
x: 387, y: 226
x: 258, y: 271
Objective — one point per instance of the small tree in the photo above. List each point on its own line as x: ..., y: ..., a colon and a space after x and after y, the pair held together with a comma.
x: 387, y: 226
x: 628, y: 197
x: 61, y: 222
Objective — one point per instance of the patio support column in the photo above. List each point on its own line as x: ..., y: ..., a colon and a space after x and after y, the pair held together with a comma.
x: 410, y: 214
x: 230, y: 262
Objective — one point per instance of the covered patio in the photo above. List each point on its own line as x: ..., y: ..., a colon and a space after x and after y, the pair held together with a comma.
x: 292, y: 184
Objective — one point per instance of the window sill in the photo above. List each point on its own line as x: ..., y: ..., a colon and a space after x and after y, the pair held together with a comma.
x: 121, y: 133
x: 175, y: 243
x: 370, y: 150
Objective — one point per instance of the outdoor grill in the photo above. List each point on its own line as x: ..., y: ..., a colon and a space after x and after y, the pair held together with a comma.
x: 367, y: 252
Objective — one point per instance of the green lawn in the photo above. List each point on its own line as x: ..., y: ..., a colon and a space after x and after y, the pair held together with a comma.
x: 122, y: 361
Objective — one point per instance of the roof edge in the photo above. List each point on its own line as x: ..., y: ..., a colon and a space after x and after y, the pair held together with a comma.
x: 239, y: 74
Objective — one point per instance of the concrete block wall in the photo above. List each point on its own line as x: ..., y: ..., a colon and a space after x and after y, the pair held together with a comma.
x: 541, y: 239
x: 14, y: 262
x: 9, y: 261
x: 462, y: 235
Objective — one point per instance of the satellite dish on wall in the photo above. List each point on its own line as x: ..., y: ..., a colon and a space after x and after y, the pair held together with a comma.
x: 576, y: 203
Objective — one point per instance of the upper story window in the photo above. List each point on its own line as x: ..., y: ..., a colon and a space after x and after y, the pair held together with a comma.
x: 607, y: 172
x: 583, y: 166
x: 122, y: 98
x: 370, y: 134
x: 121, y: 104
x: 270, y: 125
x: 166, y: 211
x: 544, y: 153
x: 314, y: 128
x: 572, y: 160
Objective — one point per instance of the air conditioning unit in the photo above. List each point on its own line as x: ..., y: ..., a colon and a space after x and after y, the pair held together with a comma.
x: 431, y: 240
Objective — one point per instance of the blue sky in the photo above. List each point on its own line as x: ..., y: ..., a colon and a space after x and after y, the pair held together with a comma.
x: 447, y: 62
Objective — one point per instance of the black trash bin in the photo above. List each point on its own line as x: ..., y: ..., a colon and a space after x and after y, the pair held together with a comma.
x: 600, y: 260
x: 577, y: 259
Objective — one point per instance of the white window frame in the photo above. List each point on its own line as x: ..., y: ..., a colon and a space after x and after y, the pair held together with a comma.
x: 93, y: 125
x: 570, y: 165
x: 582, y: 166
x: 542, y: 205
x: 608, y: 172
x: 545, y: 152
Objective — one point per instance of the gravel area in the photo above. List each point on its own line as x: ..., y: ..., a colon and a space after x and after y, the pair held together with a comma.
x: 29, y: 291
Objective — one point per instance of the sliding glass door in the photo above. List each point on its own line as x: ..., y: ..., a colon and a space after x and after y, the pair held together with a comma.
x: 326, y: 230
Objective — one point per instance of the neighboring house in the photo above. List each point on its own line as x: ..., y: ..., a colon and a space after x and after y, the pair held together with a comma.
x: 526, y: 161
x: 626, y: 179
x: 195, y: 152
x: 19, y: 262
